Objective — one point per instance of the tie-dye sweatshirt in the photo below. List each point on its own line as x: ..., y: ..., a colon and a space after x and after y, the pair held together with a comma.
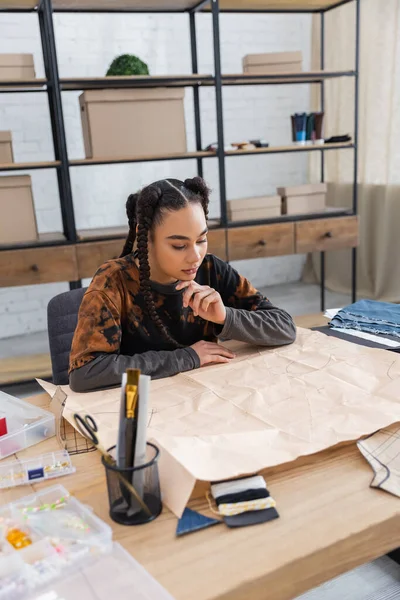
x: 114, y: 331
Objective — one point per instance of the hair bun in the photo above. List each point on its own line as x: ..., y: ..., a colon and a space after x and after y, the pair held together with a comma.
x: 197, y: 185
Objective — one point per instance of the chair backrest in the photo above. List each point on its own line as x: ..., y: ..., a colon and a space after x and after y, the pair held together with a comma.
x: 62, y: 317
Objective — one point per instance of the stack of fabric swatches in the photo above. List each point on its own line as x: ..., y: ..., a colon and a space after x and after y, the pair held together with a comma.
x: 244, y: 501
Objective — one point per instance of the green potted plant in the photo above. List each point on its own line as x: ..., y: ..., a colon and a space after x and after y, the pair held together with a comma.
x: 127, y: 64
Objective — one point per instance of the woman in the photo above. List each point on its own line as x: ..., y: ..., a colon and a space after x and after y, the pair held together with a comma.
x: 161, y: 308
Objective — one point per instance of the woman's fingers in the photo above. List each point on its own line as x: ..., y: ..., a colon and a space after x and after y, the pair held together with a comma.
x: 199, y: 298
x: 221, y: 350
x: 216, y: 358
x: 188, y: 293
x: 210, y: 299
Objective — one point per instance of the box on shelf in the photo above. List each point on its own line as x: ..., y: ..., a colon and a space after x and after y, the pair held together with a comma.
x: 247, y: 209
x: 18, y: 221
x: 6, y: 152
x: 303, y: 199
x: 272, y: 63
x: 133, y: 122
x: 17, y: 66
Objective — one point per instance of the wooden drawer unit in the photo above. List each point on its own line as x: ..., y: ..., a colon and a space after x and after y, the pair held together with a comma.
x: 259, y: 241
x: 93, y: 254
x: 326, y: 234
x: 38, y: 265
x: 217, y: 242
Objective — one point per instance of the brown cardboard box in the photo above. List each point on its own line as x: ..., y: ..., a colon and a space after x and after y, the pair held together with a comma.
x: 254, y: 214
x: 273, y: 63
x: 254, y: 202
x: 261, y: 207
x: 17, y: 66
x: 17, y: 222
x: 6, y: 153
x: 133, y: 122
x: 303, y: 190
x: 303, y: 199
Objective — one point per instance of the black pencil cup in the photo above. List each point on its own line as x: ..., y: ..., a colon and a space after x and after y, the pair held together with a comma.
x: 124, y: 505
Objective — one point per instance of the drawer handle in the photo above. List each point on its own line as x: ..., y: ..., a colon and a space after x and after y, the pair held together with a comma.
x: 35, y: 268
x: 328, y: 234
x: 261, y: 243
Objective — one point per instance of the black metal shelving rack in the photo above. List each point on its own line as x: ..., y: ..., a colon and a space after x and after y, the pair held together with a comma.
x: 54, y: 86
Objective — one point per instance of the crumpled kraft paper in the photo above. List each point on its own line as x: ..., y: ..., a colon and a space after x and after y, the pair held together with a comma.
x: 267, y: 407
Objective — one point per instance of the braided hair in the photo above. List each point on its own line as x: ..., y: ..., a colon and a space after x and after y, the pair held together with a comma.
x: 144, y: 211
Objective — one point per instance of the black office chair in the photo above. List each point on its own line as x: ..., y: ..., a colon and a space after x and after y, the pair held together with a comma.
x: 62, y: 317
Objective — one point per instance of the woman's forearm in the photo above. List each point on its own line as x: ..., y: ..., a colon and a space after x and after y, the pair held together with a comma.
x: 270, y: 326
x: 106, y: 369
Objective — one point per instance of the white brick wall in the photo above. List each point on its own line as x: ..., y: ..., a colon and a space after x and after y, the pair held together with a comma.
x: 86, y: 45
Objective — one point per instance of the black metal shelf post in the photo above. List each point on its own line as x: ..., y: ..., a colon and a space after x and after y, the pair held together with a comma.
x: 355, y: 175
x: 57, y: 122
x: 196, y: 91
x: 220, y: 120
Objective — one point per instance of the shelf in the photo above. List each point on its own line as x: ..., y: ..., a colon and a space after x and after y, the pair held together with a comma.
x: 85, y: 235
x: 94, y: 83
x: 279, y: 5
x: 104, y: 233
x: 16, y: 369
x: 283, y: 78
x: 133, y: 81
x: 54, y: 238
x: 175, y: 5
x: 329, y: 212
x: 30, y: 166
x: 80, y: 162
x: 22, y: 85
x: 290, y: 148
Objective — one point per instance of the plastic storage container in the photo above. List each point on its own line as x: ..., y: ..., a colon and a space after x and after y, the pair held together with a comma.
x: 45, y: 466
x: 22, y: 425
x: 117, y: 575
x: 45, y: 536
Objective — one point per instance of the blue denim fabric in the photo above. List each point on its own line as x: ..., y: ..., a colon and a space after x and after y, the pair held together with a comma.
x: 370, y: 316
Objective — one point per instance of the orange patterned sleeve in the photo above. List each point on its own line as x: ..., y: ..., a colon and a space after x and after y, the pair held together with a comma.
x: 98, y: 329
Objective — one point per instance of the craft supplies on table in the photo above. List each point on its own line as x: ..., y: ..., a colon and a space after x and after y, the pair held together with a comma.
x: 116, y: 575
x: 132, y: 481
x: 45, y: 466
x: 23, y: 425
x: 244, y: 501
x: 44, y: 536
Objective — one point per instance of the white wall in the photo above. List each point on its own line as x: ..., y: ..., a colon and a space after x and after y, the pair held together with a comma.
x: 86, y: 45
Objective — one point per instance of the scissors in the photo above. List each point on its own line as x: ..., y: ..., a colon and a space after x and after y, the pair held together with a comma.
x: 87, y: 426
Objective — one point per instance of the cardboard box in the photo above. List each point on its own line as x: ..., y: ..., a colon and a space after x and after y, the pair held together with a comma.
x: 303, y: 199
x: 273, y: 63
x: 261, y: 207
x: 133, y: 122
x: 6, y: 153
x: 18, y: 221
x: 17, y: 66
x: 302, y: 190
x: 254, y: 203
x: 254, y: 214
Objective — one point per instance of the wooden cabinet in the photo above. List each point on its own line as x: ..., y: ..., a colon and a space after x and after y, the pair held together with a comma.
x: 259, y: 241
x: 38, y: 265
x: 217, y: 243
x: 326, y: 234
x: 91, y: 255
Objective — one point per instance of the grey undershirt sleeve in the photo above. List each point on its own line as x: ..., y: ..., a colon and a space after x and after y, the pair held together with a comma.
x: 106, y: 370
x: 270, y: 326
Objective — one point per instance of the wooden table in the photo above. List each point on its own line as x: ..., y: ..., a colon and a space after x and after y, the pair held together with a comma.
x: 330, y: 521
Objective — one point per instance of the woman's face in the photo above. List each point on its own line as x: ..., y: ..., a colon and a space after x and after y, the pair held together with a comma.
x: 178, y: 245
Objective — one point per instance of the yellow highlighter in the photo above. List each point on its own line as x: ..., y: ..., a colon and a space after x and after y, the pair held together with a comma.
x: 131, y: 392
